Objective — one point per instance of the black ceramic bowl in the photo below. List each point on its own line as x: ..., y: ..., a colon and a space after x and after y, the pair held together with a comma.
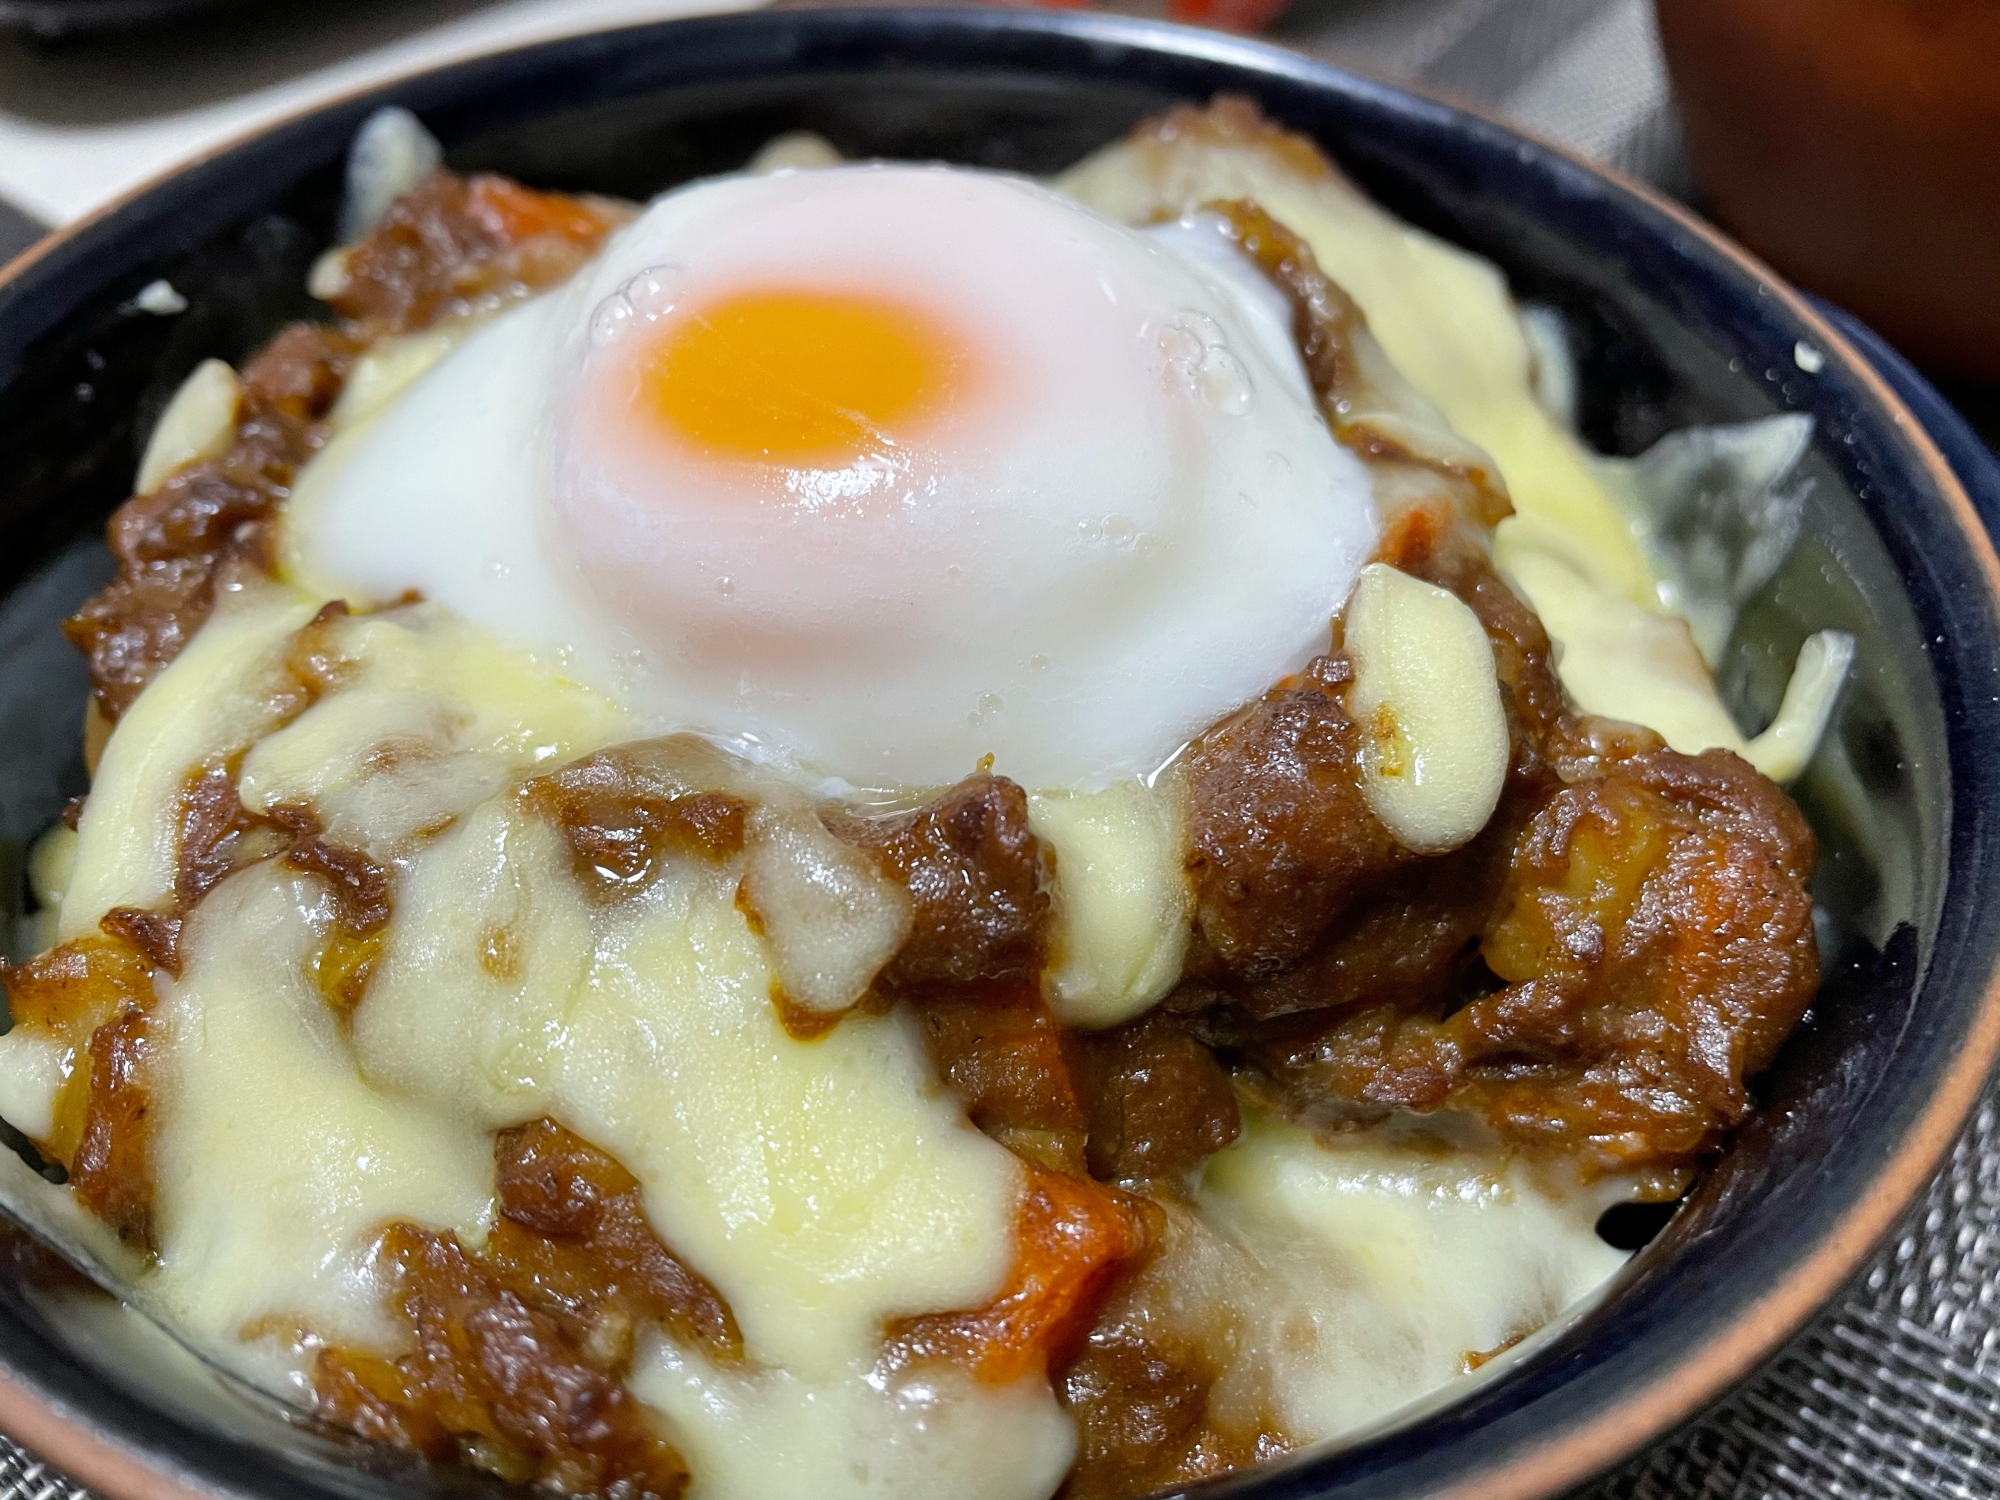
x: 1674, y: 326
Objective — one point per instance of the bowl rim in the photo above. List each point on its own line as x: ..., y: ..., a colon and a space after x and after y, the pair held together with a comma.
x: 105, y: 1461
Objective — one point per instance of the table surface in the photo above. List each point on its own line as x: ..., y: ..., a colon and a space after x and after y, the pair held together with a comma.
x: 1894, y: 1391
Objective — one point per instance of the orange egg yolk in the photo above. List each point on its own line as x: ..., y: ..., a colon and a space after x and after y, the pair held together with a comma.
x: 806, y: 377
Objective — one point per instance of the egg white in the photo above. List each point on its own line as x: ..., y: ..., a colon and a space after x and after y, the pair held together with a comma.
x: 1148, y: 526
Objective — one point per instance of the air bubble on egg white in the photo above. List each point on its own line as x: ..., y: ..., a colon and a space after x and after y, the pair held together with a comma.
x: 610, y: 319
x: 1201, y: 363
x: 1224, y: 381
x: 649, y: 293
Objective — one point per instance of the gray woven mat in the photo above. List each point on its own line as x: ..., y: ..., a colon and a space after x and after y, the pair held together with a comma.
x: 1895, y: 1390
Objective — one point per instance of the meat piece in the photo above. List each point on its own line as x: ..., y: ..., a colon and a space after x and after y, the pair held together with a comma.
x: 1160, y: 1104
x: 574, y: 1241
x: 453, y: 245
x: 1144, y: 1419
x: 173, y: 544
x: 1168, y: 1386
x: 1655, y: 945
x: 1280, y: 836
x: 979, y: 878
x: 620, y: 820
x: 1304, y: 900
x: 1006, y: 1057
x: 112, y: 1169
x: 491, y: 1381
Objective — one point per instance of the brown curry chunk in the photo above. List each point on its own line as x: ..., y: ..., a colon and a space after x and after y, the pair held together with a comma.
x: 1160, y: 1104
x: 112, y: 1168
x: 979, y: 878
x: 1144, y: 1417
x: 1281, y: 840
x: 173, y: 545
x: 520, y: 1349
x: 452, y: 245
x: 1009, y: 1060
x: 1654, y: 944
x: 492, y: 1382
x: 620, y: 820
x: 574, y: 1238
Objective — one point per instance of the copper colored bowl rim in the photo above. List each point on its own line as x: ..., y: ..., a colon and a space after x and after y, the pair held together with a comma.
x: 71, y: 1439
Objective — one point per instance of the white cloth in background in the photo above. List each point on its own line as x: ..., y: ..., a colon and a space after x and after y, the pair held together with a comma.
x: 82, y: 124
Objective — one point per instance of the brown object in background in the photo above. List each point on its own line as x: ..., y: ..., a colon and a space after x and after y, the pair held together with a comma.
x: 1855, y: 144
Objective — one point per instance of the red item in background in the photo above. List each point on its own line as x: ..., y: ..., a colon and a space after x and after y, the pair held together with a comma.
x: 1855, y: 144
x: 1231, y: 15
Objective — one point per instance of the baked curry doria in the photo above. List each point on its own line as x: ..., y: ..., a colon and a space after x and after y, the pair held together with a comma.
x: 886, y: 830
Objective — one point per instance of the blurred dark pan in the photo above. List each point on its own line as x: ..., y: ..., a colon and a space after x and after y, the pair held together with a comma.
x: 60, y: 18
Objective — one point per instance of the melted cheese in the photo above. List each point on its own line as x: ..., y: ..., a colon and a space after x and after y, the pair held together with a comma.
x: 276, y: 1162
x: 1123, y: 909
x: 1361, y: 1271
x: 1629, y: 663
x: 762, y: 1434
x: 1428, y: 706
x: 433, y: 718
x: 824, y: 1187
x: 390, y: 366
x: 34, y: 1066
x: 200, y: 422
x: 222, y: 692
x: 1443, y: 315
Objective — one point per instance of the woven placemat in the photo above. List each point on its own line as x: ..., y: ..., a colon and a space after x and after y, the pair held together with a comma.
x: 1894, y: 1391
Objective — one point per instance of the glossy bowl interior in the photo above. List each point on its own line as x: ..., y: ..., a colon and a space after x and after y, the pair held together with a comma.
x: 1672, y: 327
